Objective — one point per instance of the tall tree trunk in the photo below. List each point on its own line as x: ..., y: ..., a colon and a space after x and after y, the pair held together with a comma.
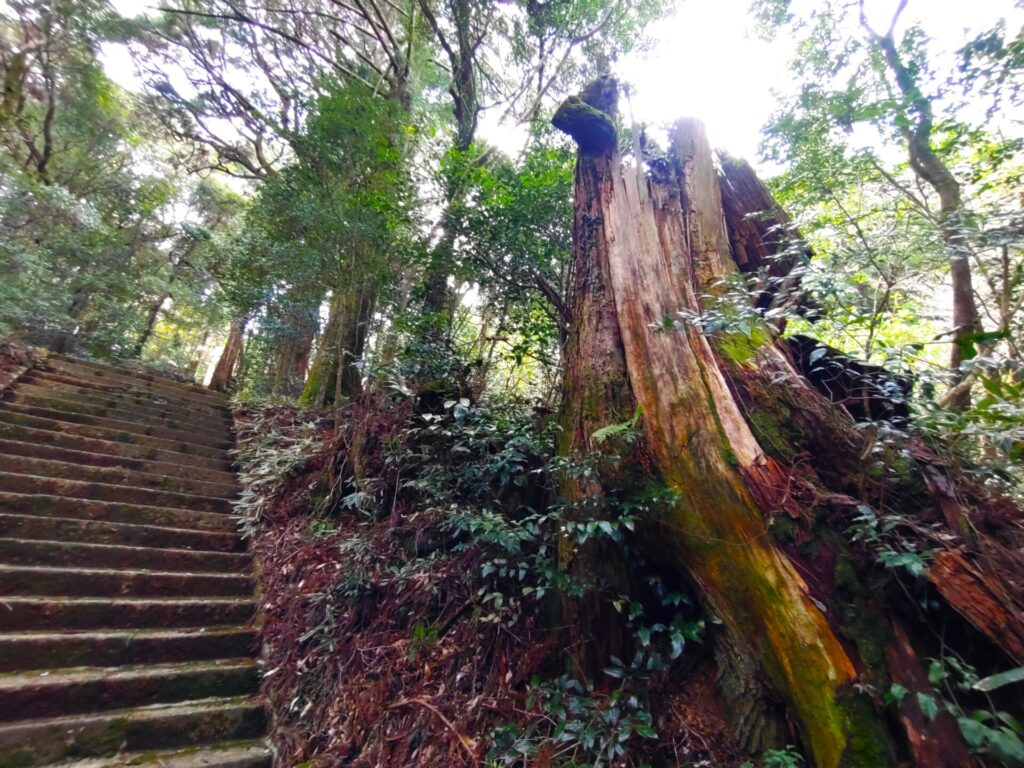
x: 335, y: 373
x: 147, y: 331
x: 790, y: 639
x: 223, y: 373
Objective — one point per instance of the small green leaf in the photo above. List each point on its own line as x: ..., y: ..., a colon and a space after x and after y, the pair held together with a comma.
x: 998, y: 680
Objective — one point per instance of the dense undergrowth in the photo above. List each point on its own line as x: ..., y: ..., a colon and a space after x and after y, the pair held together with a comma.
x: 410, y: 599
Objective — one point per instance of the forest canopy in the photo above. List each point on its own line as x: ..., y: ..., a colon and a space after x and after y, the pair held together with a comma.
x: 478, y: 316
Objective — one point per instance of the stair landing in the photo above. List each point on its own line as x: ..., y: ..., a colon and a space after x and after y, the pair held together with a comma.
x: 126, y: 593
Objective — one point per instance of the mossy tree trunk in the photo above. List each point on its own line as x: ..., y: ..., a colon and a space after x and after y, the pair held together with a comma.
x: 729, y: 437
x: 223, y: 373
x: 335, y: 374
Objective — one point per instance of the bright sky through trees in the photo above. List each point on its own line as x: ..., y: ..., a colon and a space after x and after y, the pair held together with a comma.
x: 708, y: 61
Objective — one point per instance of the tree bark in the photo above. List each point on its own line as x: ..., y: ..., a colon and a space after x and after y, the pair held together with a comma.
x: 223, y: 373
x: 335, y: 374
x: 791, y: 639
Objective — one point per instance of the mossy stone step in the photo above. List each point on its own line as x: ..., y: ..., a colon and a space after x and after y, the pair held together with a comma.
x: 41, y: 742
x: 179, y: 482
x: 248, y: 754
x: 71, y: 613
x: 144, y: 429
x: 93, y: 387
x: 38, y: 528
x: 62, y: 692
x: 35, y: 397
x: 110, y: 377
x: 114, y: 647
x: 45, y: 437
x: 59, y: 486
x: 85, y: 459
x: 40, y: 383
x: 72, y: 554
x: 43, y: 505
x: 151, y: 446
x: 43, y: 581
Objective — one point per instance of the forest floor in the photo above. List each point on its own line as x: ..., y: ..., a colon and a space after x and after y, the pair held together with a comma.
x: 392, y: 637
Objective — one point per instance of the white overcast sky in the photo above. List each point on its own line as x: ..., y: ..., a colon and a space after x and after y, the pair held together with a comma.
x: 707, y: 62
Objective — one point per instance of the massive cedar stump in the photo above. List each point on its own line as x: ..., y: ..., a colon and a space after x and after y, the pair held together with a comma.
x: 805, y: 643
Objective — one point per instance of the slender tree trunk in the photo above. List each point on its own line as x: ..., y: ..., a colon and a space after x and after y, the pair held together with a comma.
x: 65, y: 339
x: 223, y: 373
x: 740, y: 444
x: 147, y: 331
x: 916, y: 124
x: 335, y: 374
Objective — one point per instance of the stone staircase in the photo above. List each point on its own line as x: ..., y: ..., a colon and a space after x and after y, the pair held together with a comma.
x: 126, y: 594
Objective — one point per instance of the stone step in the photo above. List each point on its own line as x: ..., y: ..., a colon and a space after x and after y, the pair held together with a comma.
x: 45, y: 581
x: 105, y: 452
x: 112, y: 648
x: 41, y: 505
x: 40, y: 528
x: 77, y: 489
x: 119, y: 425
x: 179, y: 482
x: 51, y: 403
x: 53, y: 385
x: 72, y: 613
x: 62, y: 692
x: 146, y: 377
x: 86, y: 459
x: 160, y: 726
x: 96, y: 388
x: 111, y: 377
x: 73, y: 554
x: 149, y: 447
x: 247, y: 754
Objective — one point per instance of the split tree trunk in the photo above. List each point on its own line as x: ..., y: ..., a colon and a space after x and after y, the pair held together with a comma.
x: 644, y: 251
x: 224, y: 372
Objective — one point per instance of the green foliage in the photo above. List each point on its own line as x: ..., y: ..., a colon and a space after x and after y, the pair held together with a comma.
x: 578, y: 726
x: 270, y: 454
x: 989, y: 731
x: 779, y: 758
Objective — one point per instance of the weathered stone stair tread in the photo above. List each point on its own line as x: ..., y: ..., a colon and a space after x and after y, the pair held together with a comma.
x: 62, y: 692
x: 182, y: 448
x: 71, y: 554
x: 107, y: 377
x: 249, y: 754
x: 177, y: 483
x: 26, y: 613
x: 97, y: 389
x: 120, y: 425
x: 132, y: 378
x: 39, y: 385
x: 112, y: 449
x: 11, y: 481
x: 105, y: 369
x: 126, y: 595
x: 37, y: 580
x: 43, y: 450
x: 159, y: 726
x: 27, y: 395
x: 114, y: 647
x: 37, y: 528
x: 48, y: 505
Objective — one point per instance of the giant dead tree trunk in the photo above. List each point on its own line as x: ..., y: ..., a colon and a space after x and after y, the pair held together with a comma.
x: 791, y: 640
x: 223, y: 373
